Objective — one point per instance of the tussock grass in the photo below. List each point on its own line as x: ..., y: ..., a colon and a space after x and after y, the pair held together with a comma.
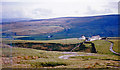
x: 50, y: 59
x: 47, y: 64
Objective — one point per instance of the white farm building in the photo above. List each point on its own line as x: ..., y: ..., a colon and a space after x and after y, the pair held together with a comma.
x: 95, y: 38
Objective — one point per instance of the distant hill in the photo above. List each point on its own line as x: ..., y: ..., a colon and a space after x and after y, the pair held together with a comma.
x: 14, y: 20
x: 64, y: 27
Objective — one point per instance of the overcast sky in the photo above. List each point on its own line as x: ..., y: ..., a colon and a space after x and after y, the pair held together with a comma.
x: 44, y: 9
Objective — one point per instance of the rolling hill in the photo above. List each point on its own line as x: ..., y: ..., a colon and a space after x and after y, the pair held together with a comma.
x: 64, y: 27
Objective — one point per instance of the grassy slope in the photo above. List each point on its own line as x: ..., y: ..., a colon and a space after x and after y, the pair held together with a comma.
x: 44, y: 56
x: 29, y: 52
x: 104, y: 59
x: 62, y: 41
x: 68, y: 27
x: 50, y: 59
x: 102, y: 46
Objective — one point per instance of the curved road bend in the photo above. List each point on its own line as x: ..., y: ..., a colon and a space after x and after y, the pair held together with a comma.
x: 111, y: 48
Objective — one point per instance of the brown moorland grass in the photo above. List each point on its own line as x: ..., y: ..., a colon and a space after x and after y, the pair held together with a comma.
x: 49, y: 59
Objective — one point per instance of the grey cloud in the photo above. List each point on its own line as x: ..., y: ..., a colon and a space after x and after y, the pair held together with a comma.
x: 42, y: 12
x: 12, y: 12
x: 76, y: 12
x: 92, y: 11
x: 112, y: 5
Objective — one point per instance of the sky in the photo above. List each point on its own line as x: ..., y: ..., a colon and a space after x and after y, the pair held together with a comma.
x: 45, y: 9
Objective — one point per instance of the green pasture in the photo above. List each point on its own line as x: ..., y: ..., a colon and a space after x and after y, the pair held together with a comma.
x: 61, y: 41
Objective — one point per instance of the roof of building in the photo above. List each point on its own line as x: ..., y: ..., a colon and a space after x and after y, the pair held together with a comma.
x: 95, y: 36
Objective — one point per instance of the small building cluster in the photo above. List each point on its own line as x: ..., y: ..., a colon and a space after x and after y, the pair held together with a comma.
x: 97, y: 37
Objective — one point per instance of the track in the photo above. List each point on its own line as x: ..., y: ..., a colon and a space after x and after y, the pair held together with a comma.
x: 75, y: 54
x: 111, y: 48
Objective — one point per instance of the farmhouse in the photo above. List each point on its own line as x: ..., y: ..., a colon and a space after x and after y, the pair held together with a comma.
x: 95, y: 38
x: 82, y: 37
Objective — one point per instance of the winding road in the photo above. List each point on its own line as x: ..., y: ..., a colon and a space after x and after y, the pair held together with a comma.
x: 76, y: 54
x: 111, y: 48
